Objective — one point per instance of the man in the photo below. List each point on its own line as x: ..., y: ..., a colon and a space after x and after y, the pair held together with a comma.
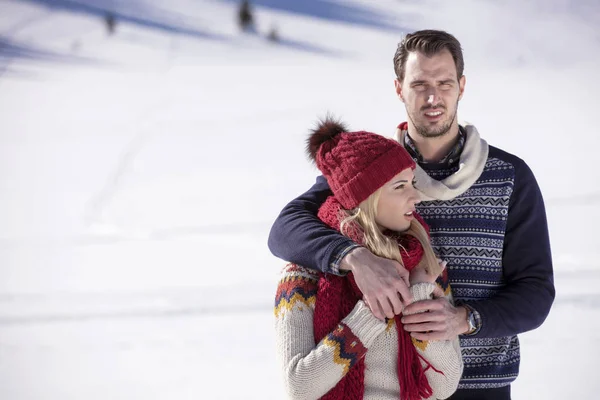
x: 487, y: 220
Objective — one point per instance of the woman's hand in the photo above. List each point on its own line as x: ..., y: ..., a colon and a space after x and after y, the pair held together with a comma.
x: 420, y: 275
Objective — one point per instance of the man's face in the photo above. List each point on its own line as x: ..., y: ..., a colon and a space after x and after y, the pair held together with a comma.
x: 430, y: 92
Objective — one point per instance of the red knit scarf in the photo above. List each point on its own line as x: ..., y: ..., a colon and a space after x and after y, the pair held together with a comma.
x: 337, y: 296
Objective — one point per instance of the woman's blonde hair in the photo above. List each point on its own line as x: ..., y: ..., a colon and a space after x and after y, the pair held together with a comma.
x: 380, y: 244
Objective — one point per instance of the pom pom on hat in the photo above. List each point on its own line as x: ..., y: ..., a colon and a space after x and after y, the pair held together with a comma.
x: 326, y: 130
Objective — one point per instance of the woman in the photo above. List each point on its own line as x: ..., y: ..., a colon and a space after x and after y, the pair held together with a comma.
x: 329, y: 343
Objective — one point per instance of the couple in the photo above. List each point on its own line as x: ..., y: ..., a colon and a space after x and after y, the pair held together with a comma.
x: 365, y: 309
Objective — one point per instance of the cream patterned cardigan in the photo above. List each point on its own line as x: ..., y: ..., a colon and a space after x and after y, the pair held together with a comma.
x: 310, y: 370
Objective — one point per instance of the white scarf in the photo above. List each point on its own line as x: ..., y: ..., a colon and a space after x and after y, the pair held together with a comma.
x: 472, y: 161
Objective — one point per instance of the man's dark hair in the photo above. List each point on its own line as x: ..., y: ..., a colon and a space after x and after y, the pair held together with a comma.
x: 429, y: 42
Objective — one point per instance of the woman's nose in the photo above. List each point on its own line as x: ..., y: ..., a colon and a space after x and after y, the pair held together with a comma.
x: 416, y: 197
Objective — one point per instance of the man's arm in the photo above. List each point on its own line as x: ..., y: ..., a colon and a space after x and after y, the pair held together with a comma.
x: 300, y: 237
x: 524, y: 303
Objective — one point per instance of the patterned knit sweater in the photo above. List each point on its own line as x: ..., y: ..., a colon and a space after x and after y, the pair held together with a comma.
x: 490, y: 226
x: 311, y: 370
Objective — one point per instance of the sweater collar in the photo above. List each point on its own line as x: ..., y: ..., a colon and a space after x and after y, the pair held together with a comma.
x: 449, y: 159
x: 471, y: 163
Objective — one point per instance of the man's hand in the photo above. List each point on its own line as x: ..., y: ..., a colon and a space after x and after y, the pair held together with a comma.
x: 384, y: 283
x: 435, y: 319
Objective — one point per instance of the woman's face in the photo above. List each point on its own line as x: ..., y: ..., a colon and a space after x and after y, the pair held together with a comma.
x: 397, y: 202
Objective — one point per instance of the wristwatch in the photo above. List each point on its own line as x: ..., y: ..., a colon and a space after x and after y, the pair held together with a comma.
x: 471, y: 321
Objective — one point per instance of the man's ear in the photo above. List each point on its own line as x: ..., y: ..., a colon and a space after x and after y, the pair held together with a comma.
x: 461, y: 86
x: 398, y: 87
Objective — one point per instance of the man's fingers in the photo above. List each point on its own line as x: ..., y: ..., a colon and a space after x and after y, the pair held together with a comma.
x: 403, y: 273
x: 422, y: 306
x: 386, y: 307
x: 423, y: 318
x: 426, y: 336
x: 406, y: 279
x: 374, y: 306
x: 402, y: 288
x: 395, y: 302
x: 425, y: 327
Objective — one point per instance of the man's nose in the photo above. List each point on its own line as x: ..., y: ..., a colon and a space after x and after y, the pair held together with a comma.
x: 433, y: 97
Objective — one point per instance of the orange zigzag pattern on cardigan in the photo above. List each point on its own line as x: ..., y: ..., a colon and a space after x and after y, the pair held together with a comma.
x: 442, y: 282
x: 294, y: 290
x: 348, y: 348
x: 421, y: 344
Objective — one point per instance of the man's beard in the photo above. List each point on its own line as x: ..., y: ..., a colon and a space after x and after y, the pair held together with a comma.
x: 434, y: 132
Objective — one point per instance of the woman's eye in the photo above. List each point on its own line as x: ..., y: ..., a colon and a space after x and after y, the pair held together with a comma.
x: 414, y: 183
x: 401, y: 186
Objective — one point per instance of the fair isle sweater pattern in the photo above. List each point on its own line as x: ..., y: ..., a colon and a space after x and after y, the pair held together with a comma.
x: 347, y: 347
x: 468, y: 232
x: 310, y: 370
x: 297, y: 289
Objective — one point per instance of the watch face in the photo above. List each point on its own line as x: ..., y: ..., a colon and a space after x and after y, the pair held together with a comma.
x: 472, y: 321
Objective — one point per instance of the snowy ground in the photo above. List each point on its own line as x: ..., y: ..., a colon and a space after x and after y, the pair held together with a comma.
x: 140, y: 173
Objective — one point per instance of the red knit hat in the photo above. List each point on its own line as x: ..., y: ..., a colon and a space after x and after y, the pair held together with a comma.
x: 355, y: 164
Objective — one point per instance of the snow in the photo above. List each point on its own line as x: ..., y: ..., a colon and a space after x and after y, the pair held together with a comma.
x: 140, y: 173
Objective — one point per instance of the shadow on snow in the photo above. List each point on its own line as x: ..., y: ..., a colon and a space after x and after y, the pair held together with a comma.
x: 12, y: 50
x: 133, y: 12
x: 330, y: 10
